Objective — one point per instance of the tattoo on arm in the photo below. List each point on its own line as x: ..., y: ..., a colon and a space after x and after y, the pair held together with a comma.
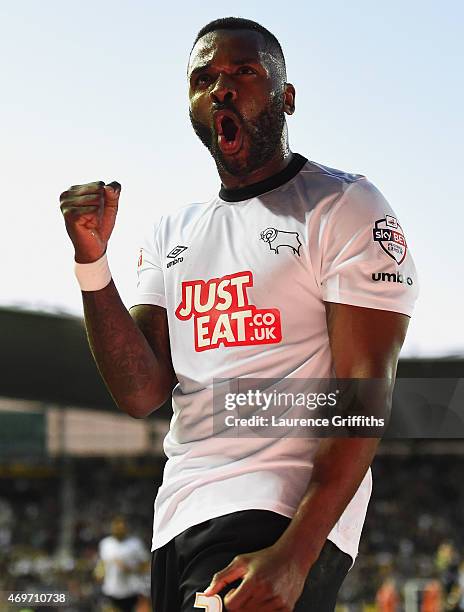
x: 125, y: 358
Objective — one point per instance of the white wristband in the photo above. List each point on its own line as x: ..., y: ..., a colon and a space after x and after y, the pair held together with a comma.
x: 93, y: 276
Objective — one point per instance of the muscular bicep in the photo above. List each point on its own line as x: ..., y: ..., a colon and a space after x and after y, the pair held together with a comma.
x: 153, y: 323
x: 365, y: 342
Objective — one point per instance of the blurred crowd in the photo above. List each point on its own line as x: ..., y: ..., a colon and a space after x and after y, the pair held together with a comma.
x: 42, y: 550
x: 412, y: 546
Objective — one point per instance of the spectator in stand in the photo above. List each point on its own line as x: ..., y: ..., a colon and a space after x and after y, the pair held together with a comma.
x: 388, y: 599
x: 432, y: 597
x: 447, y: 563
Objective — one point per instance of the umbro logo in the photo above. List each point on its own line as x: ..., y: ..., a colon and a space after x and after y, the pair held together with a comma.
x: 174, y: 255
x: 176, y: 251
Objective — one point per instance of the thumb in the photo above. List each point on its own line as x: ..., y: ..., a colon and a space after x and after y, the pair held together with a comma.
x: 235, y: 570
x: 112, y: 192
x: 110, y: 210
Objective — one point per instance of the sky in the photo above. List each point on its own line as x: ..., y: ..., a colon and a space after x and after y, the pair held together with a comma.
x: 96, y: 90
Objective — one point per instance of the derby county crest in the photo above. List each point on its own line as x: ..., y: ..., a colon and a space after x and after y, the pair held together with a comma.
x: 278, y: 238
x: 390, y: 236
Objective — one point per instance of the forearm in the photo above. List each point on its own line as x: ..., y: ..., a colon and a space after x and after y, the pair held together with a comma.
x: 339, y: 468
x: 137, y: 379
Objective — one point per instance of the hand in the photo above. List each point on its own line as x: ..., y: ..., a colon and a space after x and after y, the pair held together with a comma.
x: 271, y: 581
x: 90, y: 213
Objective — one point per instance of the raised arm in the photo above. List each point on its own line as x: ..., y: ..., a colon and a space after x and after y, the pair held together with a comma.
x: 131, y: 352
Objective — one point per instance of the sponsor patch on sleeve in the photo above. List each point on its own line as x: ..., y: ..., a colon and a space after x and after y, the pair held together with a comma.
x: 390, y: 236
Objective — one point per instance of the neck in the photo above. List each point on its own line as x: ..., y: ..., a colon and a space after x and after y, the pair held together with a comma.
x: 280, y: 160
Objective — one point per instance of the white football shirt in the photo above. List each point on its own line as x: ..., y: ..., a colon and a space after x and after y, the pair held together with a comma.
x: 130, y: 552
x: 244, y: 279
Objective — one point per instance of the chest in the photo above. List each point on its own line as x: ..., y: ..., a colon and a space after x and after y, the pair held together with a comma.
x: 228, y: 241
x: 241, y: 278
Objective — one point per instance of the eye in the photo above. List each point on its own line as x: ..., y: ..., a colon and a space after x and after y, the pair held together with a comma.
x: 245, y: 70
x: 203, y: 79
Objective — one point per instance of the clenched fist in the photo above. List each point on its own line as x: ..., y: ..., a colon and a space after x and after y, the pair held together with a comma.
x: 90, y: 213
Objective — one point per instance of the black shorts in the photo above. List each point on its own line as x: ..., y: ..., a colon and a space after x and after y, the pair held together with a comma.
x: 186, y: 564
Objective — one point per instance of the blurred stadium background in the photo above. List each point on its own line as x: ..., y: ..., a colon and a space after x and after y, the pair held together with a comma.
x: 69, y: 461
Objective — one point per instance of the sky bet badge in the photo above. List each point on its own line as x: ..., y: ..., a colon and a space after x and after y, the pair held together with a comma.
x: 390, y: 236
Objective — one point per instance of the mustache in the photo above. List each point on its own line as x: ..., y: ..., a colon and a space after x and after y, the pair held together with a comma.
x: 226, y: 106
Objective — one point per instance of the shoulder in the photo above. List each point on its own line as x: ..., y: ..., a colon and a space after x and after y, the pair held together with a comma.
x: 135, y: 542
x: 322, y: 182
x: 160, y: 228
x: 184, y: 215
x: 320, y: 188
x: 345, y: 195
x: 134, y: 545
x: 331, y: 176
x: 361, y: 202
x: 106, y: 544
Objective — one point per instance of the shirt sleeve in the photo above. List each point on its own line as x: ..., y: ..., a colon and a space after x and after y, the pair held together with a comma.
x: 363, y: 255
x: 150, y: 277
x: 135, y: 553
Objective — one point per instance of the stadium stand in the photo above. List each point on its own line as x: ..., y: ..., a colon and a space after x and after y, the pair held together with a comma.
x: 57, y: 498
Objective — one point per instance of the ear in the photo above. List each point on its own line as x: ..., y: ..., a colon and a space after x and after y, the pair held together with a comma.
x: 289, y: 99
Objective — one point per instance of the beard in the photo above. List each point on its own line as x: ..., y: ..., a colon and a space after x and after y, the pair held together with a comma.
x: 263, y: 134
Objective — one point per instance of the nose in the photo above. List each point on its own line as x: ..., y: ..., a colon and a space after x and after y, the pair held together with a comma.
x: 224, y: 90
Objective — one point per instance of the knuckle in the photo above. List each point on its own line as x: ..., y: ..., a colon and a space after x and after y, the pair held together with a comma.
x: 87, y: 189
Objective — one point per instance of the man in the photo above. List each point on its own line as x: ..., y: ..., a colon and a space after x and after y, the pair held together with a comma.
x: 293, y: 270
x: 122, y: 563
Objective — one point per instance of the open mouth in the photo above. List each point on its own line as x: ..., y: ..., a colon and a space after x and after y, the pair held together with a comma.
x: 229, y: 132
x: 229, y: 129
